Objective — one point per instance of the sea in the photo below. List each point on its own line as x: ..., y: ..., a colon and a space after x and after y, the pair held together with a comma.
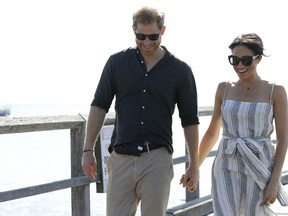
x: 34, y: 158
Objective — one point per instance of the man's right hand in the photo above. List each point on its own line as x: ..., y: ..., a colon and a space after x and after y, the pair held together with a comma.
x: 89, y: 165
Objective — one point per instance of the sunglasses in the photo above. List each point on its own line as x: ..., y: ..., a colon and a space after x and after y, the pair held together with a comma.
x: 152, y: 37
x: 246, y: 60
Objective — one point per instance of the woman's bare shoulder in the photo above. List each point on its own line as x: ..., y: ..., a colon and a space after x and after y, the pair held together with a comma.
x: 278, y: 89
x: 277, y: 86
x: 222, y: 86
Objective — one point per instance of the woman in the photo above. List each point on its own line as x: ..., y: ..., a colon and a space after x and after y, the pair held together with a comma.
x: 246, y: 172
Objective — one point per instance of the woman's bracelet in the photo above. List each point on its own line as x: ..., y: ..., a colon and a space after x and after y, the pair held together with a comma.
x: 87, y: 150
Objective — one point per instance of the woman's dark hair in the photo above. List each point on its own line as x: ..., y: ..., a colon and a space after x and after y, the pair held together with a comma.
x: 251, y: 41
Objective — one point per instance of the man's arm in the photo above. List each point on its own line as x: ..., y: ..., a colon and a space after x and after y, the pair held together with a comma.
x: 94, y: 124
x: 191, y: 177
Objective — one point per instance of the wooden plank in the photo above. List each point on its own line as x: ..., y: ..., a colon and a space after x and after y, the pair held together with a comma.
x: 39, y: 123
x: 43, y: 188
x: 179, y: 160
x: 205, y: 111
x: 200, y: 206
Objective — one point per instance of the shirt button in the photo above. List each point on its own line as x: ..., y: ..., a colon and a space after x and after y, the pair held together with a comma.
x: 142, y: 123
x: 143, y: 107
x: 144, y: 90
x: 146, y: 74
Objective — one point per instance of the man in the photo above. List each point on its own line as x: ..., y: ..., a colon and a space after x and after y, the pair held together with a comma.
x: 148, y: 81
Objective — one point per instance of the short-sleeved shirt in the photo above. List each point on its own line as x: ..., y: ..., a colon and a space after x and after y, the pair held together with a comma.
x: 145, y: 101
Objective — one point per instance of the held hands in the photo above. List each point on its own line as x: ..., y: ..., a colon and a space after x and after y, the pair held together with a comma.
x: 190, y: 181
x: 89, y: 165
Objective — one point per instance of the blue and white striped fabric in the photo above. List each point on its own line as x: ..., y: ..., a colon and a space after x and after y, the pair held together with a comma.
x: 244, y: 161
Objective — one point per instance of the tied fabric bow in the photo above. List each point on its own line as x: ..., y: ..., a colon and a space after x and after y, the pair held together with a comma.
x: 246, y: 148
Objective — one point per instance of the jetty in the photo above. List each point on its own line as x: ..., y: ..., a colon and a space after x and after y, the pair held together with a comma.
x: 79, y: 183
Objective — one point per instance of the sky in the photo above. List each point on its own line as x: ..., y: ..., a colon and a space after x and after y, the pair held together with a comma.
x: 53, y: 52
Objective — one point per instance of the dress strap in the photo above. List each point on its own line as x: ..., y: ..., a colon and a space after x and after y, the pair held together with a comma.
x: 272, y: 89
x: 224, y: 96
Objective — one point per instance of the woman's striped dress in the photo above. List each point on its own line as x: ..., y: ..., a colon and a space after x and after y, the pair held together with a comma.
x: 244, y: 160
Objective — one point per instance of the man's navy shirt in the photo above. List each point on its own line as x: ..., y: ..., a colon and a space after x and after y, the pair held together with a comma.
x: 145, y: 101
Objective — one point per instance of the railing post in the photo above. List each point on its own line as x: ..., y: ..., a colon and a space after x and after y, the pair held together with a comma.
x: 80, y: 196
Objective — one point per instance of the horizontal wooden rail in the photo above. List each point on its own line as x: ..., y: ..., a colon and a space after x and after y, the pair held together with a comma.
x: 39, y: 123
x: 200, y: 206
x: 10, y: 125
x: 43, y: 188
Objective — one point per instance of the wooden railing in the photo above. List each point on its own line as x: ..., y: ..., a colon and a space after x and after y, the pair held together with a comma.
x: 80, y: 184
